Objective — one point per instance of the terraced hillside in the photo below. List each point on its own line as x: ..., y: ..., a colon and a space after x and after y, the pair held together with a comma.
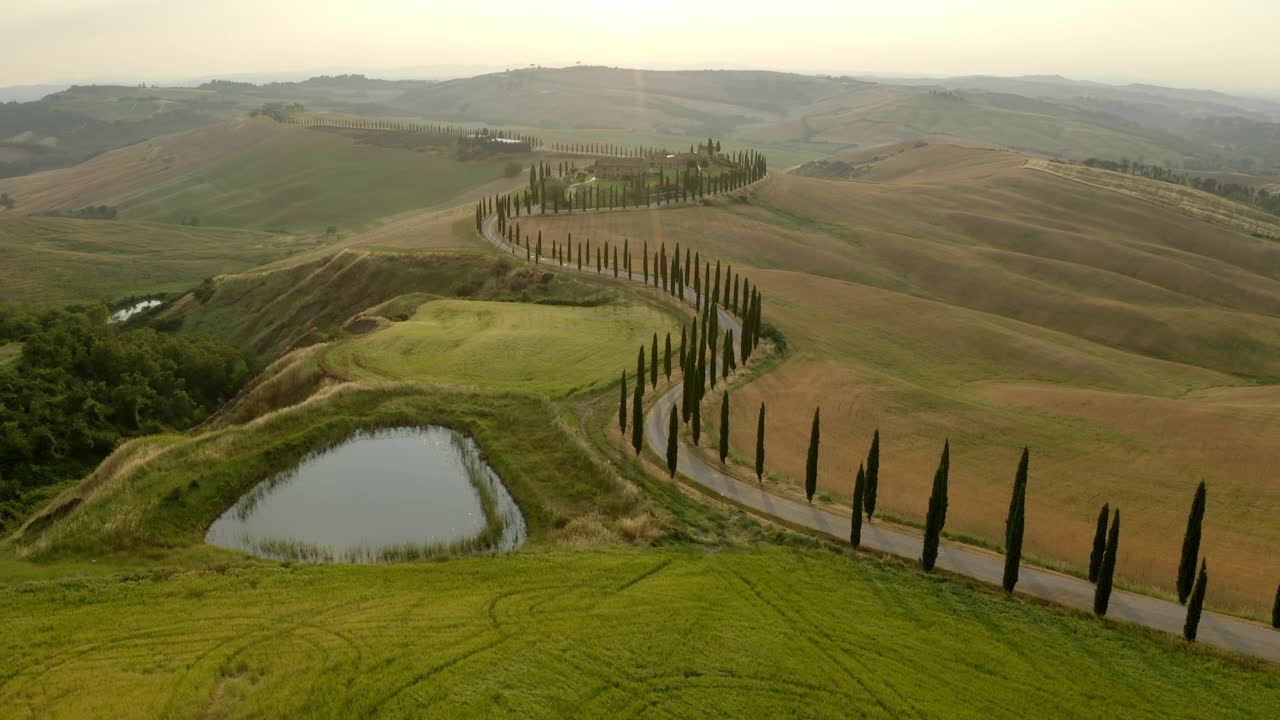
x: 954, y: 292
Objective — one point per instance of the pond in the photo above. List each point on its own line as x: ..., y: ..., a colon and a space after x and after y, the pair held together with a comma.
x: 399, y: 494
x: 123, y: 314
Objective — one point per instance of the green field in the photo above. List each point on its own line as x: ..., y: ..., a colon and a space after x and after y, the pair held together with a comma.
x: 52, y: 261
x: 307, y: 180
x: 506, y: 346
x: 677, y: 633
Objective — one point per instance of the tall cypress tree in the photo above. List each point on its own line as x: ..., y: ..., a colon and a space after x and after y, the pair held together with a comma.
x: 653, y: 361
x: 936, y: 519
x: 760, y: 460
x: 1107, y: 573
x: 728, y: 354
x: 683, y: 333
x: 811, y: 463
x: 1015, y: 523
x: 1275, y: 610
x: 1196, y: 605
x: 859, y: 493
x: 1191, y: 546
x: 622, y: 406
x: 1099, y: 543
x: 673, y: 430
x: 637, y: 417
x: 666, y: 357
x: 873, y: 475
x: 697, y: 420
x: 724, y: 426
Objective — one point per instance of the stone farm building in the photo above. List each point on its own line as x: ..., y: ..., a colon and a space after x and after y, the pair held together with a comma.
x: 620, y: 168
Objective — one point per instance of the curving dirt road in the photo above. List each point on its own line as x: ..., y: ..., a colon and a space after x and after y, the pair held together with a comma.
x: 1225, y: 632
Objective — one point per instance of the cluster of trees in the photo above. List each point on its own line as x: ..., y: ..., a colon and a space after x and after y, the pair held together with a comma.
x: 1258, y: 197
x: 552, y: 190
x: 474, y: 135
x: 82, y: 384
x: 91, y: 212
x: 637, y: 151
x: 7, y: 202
x: 278, y: 111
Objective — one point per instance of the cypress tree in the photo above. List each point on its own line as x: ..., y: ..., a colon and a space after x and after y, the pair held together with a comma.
x: 937, y: 516
x: 873, y: 475
x: 728, y: 353
x: 666, y: 357
x: 1275, y: 610
x: 1191, y: 546
x: 811, y: 463
x: 1014, y: 524
x: 1196, y: 605
x: 1099, y: 543
x: 760, y: 460
x: 683, y: 332
x: 622, y: 405
x: 859, y: 491
x: 724, y: 426
x: 653, y: 361
x: 637, y: 417
x: 1107, y: 573
x: 697, y: 420
x: 640, y: 373
x: 672, y: 443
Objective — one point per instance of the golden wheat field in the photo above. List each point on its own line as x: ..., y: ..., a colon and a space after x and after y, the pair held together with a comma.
x: 952, y: 292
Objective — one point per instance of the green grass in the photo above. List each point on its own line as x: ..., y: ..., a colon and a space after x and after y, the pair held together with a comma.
x: 52, y: 261
x: 307, y: 180
x: 506, y: 346
x: 678, y: 633
x: 157, y: 496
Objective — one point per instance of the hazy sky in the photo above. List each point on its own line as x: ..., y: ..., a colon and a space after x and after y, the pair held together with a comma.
x: 1223, y: 44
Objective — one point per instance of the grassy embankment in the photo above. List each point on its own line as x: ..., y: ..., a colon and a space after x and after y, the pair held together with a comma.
x: 955, y: 293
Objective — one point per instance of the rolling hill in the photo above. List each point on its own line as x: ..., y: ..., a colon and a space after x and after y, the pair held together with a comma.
x: 259, y: 174
x: 957, y: 292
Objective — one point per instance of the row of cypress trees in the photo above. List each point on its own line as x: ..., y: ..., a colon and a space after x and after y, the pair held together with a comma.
x: 1192, y: 585
x: 684, y: 185
x: 482, y: 133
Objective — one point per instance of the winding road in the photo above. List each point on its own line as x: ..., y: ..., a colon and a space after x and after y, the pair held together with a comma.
x: 1221, y: 631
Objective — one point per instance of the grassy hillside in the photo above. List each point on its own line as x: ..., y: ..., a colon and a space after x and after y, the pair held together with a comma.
x: 589, y: 634
x: 52, y: 261
x: 508, y: 346
x: 956, y: 293
x: 264, y: 175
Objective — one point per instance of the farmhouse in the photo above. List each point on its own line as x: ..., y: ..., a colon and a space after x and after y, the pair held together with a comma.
x: 617, y: 168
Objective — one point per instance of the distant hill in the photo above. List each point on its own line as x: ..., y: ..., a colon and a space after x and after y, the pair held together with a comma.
x: 802, y: 116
